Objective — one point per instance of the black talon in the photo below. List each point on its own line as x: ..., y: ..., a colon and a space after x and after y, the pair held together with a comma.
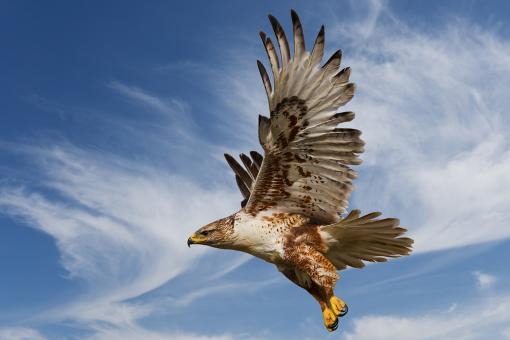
x: 334, y: 326
x: 344, y: 311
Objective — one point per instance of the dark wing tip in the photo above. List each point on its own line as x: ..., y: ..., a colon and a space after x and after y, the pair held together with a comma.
x: 263, y: 120
x: 277, y: 27
x: 272, y: 19
x: 336, y: 55
x: 257, y: 157
x: 351, y: 88
x: 347, y: 116
x: 245, y: 191
x: 294, y: 15
x: 243, y: 203
x: 254, y: 154
x: 299, y: 38
x: 265, y: 78
x: 245, y: 159
x: 320, y: 36
x: 232, y: 162
x: 335, y: 58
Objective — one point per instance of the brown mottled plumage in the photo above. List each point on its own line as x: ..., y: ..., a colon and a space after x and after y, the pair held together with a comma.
x: 294, y: 195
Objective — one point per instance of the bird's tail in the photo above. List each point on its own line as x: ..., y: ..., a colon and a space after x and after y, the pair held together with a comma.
x: 355, y: 239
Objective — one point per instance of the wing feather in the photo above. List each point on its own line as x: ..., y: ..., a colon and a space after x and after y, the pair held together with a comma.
x: 239, y: 170
x: 306, y: 167
x: 271, y: 53
x: 246, y: 173
x: 283, y: 44
x: 265, y: 78
x: 356, y: 239
x: 299, y: 39
x: 317, y: 50
x: 257, y: 158
x: 249, y: 165
x: 243, y: 188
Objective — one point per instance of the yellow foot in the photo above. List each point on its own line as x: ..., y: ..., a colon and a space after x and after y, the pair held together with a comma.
x: 338, y: 306
x: 330, y: 319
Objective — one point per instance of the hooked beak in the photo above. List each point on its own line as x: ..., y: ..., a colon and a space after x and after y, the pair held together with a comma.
x: 196, y: 239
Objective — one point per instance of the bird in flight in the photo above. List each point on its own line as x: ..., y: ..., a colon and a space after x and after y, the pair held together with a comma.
x: 293, y: 213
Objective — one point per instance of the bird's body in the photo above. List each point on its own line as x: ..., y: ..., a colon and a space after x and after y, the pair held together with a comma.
x: 262, y: 236
x: 295, y: 194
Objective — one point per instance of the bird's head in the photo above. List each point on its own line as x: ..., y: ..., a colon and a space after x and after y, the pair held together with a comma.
x: 218, y: 234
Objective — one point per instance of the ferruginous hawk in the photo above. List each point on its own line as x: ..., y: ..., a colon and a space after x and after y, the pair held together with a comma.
x: 295, y: 195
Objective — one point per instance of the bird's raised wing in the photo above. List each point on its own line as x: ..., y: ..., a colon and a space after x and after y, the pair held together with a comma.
x: 305, y: 169
x: 245, y: 174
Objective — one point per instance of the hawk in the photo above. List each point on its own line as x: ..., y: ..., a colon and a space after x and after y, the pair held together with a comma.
x: 295, y: 195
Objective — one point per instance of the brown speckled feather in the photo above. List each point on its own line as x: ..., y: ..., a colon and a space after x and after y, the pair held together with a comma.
x: 306, y: 168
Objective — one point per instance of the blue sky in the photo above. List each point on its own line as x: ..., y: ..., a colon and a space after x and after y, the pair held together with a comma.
x: 113, y: 125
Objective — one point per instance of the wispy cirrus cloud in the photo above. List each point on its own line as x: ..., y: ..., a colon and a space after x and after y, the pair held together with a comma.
x: 432, y: 106
x: 120, y: 224
x: 245, y: 287
x: 171, y: 106
x: 20, y: 333
x: 484, y: 280
x: 175, y: 114
x: 136, y: 333
x: 487, y: 319
x: 120, y: 227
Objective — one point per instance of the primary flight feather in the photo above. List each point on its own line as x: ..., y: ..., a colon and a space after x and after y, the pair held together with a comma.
x: 294, y: 196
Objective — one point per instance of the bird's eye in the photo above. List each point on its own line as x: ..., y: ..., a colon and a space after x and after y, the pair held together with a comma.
x: 205, y: 232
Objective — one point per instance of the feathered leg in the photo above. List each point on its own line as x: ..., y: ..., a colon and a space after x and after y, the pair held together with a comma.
x: 320, y: 294
x: 322, y: 279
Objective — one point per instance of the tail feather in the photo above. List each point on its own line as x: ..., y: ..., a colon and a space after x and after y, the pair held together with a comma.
x: 355, y: 239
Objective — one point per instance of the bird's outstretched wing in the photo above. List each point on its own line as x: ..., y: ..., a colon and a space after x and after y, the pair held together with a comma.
x: 305, y: 168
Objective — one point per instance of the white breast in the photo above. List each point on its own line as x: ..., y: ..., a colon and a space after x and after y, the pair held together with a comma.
x: 259, y: 237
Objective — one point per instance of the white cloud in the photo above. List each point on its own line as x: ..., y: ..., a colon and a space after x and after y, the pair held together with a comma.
x: 484, y: 280
x: 245, y: 287
x: 171, y: 106
x: 238, y: 262
x: 121, y: 228
x: 20, y: 333
x: 488, y: 319
x: 121, y: 225
x: 175, y: 120
x: 119, y: 208
x: 506, y: 333
x: 432, y: 107
x: 138, y: 333
x: 241, y: 93
x: 452, y: 307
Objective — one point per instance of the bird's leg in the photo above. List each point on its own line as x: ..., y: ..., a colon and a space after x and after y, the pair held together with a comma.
x: 328, y: 312
x: 319, y: 294
x: 332, y: 306
x: 323, y: 277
